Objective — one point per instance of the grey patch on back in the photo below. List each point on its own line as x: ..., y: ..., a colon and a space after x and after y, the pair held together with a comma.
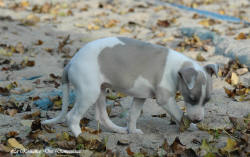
x: 123, y: 64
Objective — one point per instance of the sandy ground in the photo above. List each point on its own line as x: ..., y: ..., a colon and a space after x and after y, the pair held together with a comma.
x: 88, y: 20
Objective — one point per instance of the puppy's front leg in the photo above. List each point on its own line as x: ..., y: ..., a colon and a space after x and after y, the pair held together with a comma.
x: 172, y: 109
x: 167, y: 101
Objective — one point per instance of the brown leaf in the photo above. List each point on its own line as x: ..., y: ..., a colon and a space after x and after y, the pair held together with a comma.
x: 238, y: 123
x: 177, y: 146
x: 36, y: 125
x: 229, y: 93
x: 129, y: 152
x: 84, y: 122
x: 32, y: 115
x: 163, y: 23
x: 39, y: 42
x: 12, y: 134
x: 63, y: 43
x: 4, y: 91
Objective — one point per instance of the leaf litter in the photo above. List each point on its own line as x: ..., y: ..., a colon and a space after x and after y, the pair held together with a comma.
x: 96, y: 145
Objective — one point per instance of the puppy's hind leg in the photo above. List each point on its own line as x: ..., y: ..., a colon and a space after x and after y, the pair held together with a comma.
x: 84, y: 99
x: 103, y: 118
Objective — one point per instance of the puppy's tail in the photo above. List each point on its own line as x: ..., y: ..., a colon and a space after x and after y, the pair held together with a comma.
x: 65, y: 99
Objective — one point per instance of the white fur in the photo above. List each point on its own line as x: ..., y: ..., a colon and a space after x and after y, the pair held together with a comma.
x: 196, y: 112
x: 84, y: 73
x: 141, y: 84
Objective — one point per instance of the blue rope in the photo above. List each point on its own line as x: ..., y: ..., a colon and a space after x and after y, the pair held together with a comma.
x: 211, y: 14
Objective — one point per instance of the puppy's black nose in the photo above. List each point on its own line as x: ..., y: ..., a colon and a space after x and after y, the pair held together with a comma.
x: 196, y: 121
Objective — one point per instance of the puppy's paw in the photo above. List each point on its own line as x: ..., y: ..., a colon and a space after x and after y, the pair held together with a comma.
x: 136, y: 131
x: 122, y: 130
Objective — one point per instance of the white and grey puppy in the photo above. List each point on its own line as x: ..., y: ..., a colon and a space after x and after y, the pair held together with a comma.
x: 139, y: 69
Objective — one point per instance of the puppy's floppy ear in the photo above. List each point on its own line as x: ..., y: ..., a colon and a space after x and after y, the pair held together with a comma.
x: 212, y: 69
x: 188, y: 75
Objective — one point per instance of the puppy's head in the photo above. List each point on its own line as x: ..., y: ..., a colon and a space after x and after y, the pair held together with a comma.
x: 196, y: 88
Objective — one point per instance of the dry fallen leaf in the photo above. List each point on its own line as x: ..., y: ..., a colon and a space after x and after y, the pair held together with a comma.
x: 19, y: 48
x: 12, y: 134
x: 12, y: 142
x: 230, y: 147
x: 229, y: 93
x: 241, y: 36
x: 32, y: 115
x: 12, y: 112
x: 208, y: 22
x: 38, y: 42
x: 163, y: 23
x: 93, y: 27
x: 24, y: 3
x: 200, y: 58
x: 110, y: 23
x: 234, y: 78
x: 4, y: 148
x: 31, y: 20
x: 177, y: 146
x: 124, y: 30
x: 185, y: 123
x: 129, y: 152
x: 2, y: 4
x: 241, y: 71
x: 4, y: 91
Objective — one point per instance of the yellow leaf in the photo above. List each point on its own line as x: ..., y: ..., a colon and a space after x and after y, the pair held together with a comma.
x: 159, y: 8
x: 222, y: 12
x: 205, y: 146
x: 25, y: 3
x: 241, y: 36
x: 124, y: 30
x: 121, y: 95
x: 207, y: 22
x: 93, y: 27
x: 79, y: 25
x: 65, y: 136
x: 200, y: 58
x: 2, y: 4
x: 194, y: 5
x: 15, y: 144
x: 111, y: 23
x: 231, y: 144
x: 234, y: 78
